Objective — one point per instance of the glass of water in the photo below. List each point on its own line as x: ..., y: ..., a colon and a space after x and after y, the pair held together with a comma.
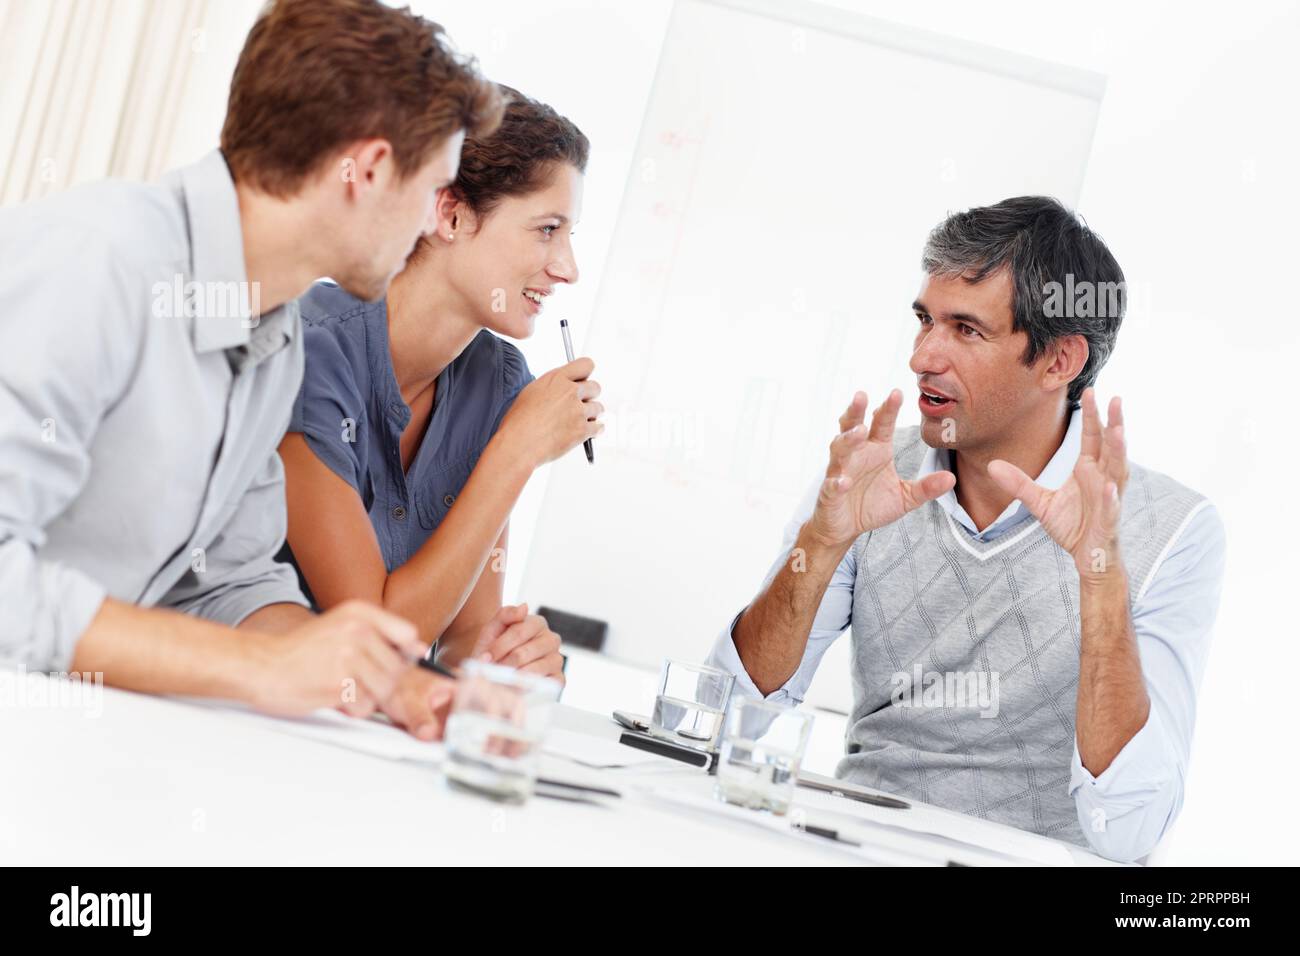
x: 762, y: 749
x: 691, y: 701
x: 495, y: 729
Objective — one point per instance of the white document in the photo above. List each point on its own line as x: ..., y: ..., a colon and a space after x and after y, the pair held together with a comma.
x: 923, y: 819
x: 373, y: 736
x: 888, y: 840
x: 601, y: 753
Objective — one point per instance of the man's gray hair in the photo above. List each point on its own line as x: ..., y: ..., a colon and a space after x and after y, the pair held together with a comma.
x: 1064, y: 280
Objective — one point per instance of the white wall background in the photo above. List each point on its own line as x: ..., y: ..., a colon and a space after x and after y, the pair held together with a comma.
x: 1191, y: 181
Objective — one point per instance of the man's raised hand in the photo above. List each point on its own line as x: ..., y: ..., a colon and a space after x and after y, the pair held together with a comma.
x: 1082, y: 516
x: 862, y: 490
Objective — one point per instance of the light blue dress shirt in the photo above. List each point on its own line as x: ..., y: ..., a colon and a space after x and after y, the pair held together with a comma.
x: 1126, y: 809
x: 140, y: 409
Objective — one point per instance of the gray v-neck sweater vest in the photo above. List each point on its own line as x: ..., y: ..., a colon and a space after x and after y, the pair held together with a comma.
x: 998, y: 622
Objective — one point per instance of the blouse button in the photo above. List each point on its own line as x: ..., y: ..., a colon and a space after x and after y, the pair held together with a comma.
x: 399, y: 513
x: 448, y: 499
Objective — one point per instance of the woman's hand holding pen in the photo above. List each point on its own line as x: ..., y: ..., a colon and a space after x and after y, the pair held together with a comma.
x: 555, y: 413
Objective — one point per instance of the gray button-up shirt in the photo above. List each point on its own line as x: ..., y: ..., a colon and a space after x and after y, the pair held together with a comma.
x: 350, y: 380
x: 140, y: 410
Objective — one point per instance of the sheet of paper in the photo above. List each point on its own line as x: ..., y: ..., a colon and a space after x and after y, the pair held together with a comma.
x: 596, y: 752
x: 883, y: 852
x: 882, y: 843
x: 924, y: 819
x: 372, y: 736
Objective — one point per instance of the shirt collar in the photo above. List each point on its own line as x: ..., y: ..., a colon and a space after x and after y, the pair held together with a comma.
x: 380, y: 359
x: 206, y: 190
x: 1053, y: 475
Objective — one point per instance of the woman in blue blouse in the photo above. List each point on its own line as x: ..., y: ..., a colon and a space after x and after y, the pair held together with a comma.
x: 417, y: 426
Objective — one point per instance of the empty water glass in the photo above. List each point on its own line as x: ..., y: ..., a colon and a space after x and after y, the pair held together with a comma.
x: 761, y: 752
x: 495, y: 729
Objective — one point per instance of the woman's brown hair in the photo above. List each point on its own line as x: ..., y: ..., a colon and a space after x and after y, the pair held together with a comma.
x: 516, y: 157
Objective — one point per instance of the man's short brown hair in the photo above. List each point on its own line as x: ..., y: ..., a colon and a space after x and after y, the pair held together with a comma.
x: 315, y: 75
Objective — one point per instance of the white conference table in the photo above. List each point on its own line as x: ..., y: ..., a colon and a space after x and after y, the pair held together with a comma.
x: 129, y: 779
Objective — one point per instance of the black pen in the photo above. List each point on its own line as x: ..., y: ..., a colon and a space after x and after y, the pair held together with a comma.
x: 577, y: 787
x: 568, y: 354
x: 825, y: 833
x: 428, y: 663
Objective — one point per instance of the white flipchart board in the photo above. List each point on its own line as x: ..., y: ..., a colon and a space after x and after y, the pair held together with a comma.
x: 791, y: 161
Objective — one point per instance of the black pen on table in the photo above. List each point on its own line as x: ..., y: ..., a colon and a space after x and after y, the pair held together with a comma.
x: 428, y: 663
x: 568, y: 355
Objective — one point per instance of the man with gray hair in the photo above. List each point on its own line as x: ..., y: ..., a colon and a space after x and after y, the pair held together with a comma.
x: 1024, y: 650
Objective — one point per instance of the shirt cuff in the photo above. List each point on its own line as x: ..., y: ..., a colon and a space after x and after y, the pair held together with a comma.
x: 1125, y: 810
x: 78, y: 600
x: 1144, y: 763
x: 45, y: 608
x: 724, y: 656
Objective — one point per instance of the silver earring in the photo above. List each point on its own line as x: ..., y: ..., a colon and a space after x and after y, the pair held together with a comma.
x: 450, y: 236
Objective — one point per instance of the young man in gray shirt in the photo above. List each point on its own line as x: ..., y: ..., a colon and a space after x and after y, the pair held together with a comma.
x: 153, y: 351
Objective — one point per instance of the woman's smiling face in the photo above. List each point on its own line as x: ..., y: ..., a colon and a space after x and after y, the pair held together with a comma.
x: 506, y: 264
